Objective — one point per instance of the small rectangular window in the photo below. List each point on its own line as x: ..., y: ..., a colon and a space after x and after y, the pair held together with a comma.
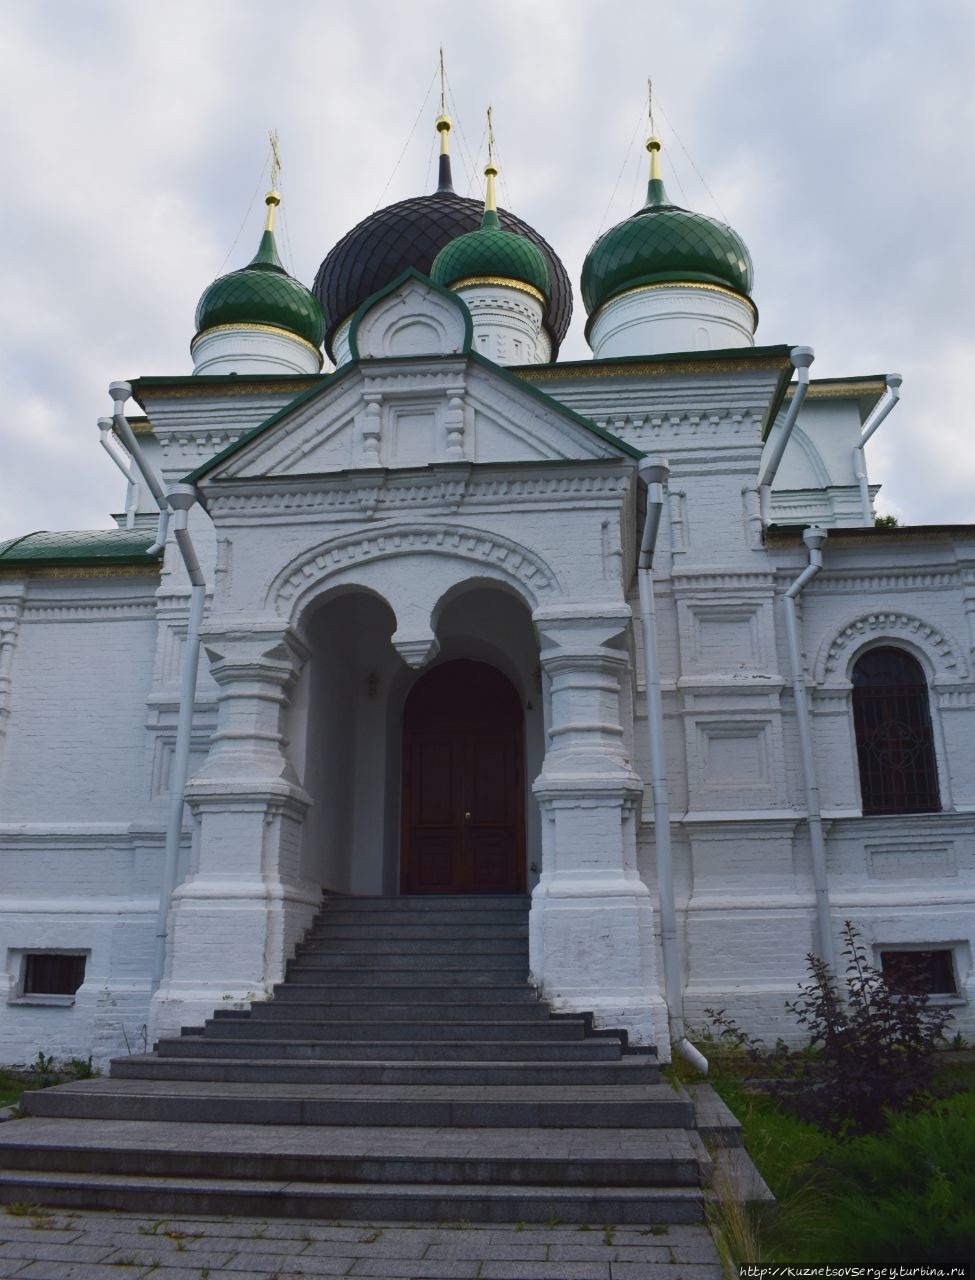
x: 928, y: 972
x: 50, y: 974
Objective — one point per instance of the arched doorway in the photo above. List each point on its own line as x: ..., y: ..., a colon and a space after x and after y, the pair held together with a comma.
x: 463, y: 783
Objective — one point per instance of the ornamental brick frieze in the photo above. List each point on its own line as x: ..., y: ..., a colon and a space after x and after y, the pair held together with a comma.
x: 448, y: 382
x: 658, y: 428
x: 117, y: 611
x: 834, y: 654
x: 689, y: 581
x: 392, y: 492
x: 837, y: 581
x: 508, y: 558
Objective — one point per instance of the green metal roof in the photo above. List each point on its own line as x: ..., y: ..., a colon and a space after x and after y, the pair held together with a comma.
x: 495, y: 254
x: 662, y: 243
x: 262, y: 293
x: 81, y: 547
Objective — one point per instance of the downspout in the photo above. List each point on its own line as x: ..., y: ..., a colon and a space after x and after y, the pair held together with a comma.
x: 127, y: 467
x: 802, y: 358
x: 874, y: 419
x: 654, y: 471
x: 814, y: 538
x: 120, y: 392
x: 179, y: 500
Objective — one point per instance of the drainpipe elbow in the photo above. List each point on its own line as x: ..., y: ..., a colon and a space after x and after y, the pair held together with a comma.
x: 692, y: 1055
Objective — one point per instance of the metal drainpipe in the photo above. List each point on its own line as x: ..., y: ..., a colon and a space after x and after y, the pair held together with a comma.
x: 654, y: 471
x: 120, y: 392
x: 125, y: 464
x: 802, y: 358
x: 814, y: 538
x: 874, y: 419
x: 179, y: 500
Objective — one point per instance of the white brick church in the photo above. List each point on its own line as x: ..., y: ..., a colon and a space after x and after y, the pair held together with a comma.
x: 473, y: 620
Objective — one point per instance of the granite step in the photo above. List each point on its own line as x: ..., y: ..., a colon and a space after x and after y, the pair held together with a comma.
x: 523, y: 1157
x: 415, y: 1106
x: 286, y: 1071
x: 478, y: 969
x: 248, y: 1028
x: 437, y: 904
x: 430, y: 944
x: 412, y: 916
x: 304, y: 1048
x: 455, y: 1011
x: 339, y: 931
x: 359, y: 1202
x: 404, y: 1071
x: 339, y: 988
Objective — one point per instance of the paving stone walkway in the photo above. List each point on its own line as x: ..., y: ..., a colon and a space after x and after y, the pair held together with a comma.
x: 88, y: 1245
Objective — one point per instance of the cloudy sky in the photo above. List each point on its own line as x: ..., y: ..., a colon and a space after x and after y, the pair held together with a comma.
x: 836, y: 137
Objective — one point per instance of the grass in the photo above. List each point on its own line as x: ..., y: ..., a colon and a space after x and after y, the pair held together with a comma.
x: 41, y: 1074
x: 906, y: 1193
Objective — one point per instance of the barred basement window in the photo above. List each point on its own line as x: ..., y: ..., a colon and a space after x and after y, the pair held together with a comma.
x: 895, y: 749
x: 49, y: 974
x: 928, y: 972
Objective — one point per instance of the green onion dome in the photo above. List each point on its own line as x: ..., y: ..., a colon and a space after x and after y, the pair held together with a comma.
x: 661, y: 244
x: 491, y: 255
x: 262, y: 293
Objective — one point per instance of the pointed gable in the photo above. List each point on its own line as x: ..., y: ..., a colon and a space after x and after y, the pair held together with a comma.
x: 409, y: 413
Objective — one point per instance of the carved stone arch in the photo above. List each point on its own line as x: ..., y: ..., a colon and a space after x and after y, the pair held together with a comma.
x: 938, y: 653
x: 363, y: 558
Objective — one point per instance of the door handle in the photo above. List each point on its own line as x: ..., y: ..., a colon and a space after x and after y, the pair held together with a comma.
x: 467, y: 816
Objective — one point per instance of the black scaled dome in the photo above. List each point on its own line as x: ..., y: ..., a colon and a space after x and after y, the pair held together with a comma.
x: 410, y: 234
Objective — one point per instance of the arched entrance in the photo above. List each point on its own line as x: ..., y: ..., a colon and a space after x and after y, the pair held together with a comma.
x: 463, y: 783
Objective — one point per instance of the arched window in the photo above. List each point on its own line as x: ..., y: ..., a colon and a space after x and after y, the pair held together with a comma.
x: 895, y: 750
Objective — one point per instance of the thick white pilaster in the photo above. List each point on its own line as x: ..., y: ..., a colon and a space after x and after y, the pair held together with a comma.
x: 591, y: 927
x: 244, y: 904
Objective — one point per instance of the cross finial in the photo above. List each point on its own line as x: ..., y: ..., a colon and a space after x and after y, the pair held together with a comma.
x: 443, y: 82
x: 490, y: 136
x: 272, y: 137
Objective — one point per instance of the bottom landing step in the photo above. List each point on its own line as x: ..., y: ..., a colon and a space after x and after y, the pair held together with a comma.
x: 404, y: 1202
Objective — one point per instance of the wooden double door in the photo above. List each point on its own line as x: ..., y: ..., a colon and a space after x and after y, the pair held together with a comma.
x: 463, y: 783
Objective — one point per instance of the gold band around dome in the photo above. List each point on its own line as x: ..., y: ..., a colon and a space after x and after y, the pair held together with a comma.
x: 678, y: 284
x: 500, y: 280
x: 259, y: 328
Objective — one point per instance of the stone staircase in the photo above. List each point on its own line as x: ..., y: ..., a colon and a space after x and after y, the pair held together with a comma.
x: 404, y: 1071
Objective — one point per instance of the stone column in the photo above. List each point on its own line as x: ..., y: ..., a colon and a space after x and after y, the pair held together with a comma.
x: 591, y: 928
x: 243, y: 905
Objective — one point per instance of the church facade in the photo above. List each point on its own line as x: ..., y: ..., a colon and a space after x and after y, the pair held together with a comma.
x: 618, y: 634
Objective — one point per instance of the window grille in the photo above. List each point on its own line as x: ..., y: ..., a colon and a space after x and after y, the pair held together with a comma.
x: 50, y: 974
x: 892, y: 722
x: 930, y: 972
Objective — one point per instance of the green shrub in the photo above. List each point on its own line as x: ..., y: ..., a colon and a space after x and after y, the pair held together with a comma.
x: 907, y: 1194
x: 873, y: 1048
x: 870, y: 1047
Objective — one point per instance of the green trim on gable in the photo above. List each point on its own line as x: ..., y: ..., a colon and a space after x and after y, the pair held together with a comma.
x: 323, y: 384
x: 344, y: 371
x: 562, y: 410
x: 410, y: 273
